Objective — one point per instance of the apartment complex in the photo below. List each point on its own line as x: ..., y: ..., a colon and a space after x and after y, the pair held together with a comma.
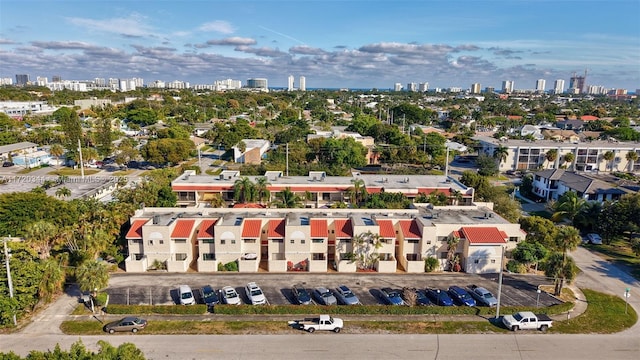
x: 317, y: 240
x: 553, y: 183
x: 588, y: 156
x: 318, y: 189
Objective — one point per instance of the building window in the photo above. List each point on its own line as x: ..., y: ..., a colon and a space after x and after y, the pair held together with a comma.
x: 317, y: 241
x: 161, y: 241
x: 249, y: 241
x: 442, y: 238
x: 443, y: 255
x: 413, y: 241
x: 317, y: 256
x: 476, y: 261
x: 493, y: 261
x: 208, y: 241
x: 150, y: 242
x: 208, y: 256
x: 223, y: 241
x: 277, y: 240
x: 136, y: 241
x: 513, y: 238
x: 303, y: 241
x: 292, y: 241
x: 233, y: 241
x: 181, y: 257
x: 179, y: 241
x: 345, y: 241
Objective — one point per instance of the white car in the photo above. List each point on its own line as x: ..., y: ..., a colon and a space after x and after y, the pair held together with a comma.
x: 230, y: 296
x: 186, y: 295
x: 255, y: 294
x: 594, y: 239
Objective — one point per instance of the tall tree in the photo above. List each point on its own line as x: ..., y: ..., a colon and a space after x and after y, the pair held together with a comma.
x: 567, y: 239
x: 53, y: 277
x: 551, y: 155
x: 287, y: 199
x: 357, y: 192
x: 365, y: 249
x: 41, y: 236
x: 244, y: 190
x: 104, y: 137
x: 56, y: 150
x: 500, y: 153
x: 631, y: 157
x: 568, y: 206
x: 262, y: 189
x: 71, y: 126
x: 92, y: 276
x: 608, y: 156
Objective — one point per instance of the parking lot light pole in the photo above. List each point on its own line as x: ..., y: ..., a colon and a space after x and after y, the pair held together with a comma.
x: 6, y: 260
x: 538, y: 298
x: 500, y: 282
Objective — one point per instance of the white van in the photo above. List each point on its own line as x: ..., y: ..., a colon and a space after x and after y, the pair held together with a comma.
x: 186, y: 295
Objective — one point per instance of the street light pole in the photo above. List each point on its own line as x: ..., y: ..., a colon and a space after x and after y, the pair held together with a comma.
x: 6, y: 260
x: 538, y: 298
x: 500, y: 282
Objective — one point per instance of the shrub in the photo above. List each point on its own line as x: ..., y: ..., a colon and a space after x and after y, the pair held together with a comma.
x: 516, y: 267
x: 231, y: 266
x: 431, y: 264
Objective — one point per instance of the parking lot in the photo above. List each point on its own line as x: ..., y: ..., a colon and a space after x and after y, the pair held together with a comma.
x: 161, y: 289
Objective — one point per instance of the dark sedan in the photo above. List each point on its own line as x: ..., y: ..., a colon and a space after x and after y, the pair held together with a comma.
x: 461, y: 296
x: 301, y: 295
x: 391, y: 297
x: 439, y: 297
x: 130, y: 323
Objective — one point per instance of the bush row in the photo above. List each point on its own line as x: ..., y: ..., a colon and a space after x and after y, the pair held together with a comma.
x: 337, y: 310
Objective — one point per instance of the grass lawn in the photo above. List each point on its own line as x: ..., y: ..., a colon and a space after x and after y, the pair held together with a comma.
x: 604, y: 315
x: 619, y: 252
x: 72, y: 172
x: 123, y: 172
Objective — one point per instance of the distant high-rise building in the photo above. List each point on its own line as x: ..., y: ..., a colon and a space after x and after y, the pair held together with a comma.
x: 42, y: 81
x: 489, y: 89
x: 397, y: 87
x: 540, y: 85
x: 475, y: 88
x: 578, y: 82
x: 9, y: 81
x: 507, y: 86
x: 101, y: 82
x: 558, y: 86
x: 423, y: 87
x: 290, y: 83
x: 56, y: 78
x: 22, y: 79
x: 257, y: 83
x: 412, y: 87
x: 303, y: 83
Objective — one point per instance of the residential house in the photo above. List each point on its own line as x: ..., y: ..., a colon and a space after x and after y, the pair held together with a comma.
x: 553, y: 183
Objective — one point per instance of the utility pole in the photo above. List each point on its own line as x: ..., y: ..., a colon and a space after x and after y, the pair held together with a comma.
x: 199, y: 160
x: 81, y: 164
x: 500, y: 282
x: 446, y: 163
x: 6, y: 261
x: 287, y: 159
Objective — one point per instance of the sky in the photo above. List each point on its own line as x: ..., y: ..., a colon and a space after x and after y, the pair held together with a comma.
x: 332, y: 43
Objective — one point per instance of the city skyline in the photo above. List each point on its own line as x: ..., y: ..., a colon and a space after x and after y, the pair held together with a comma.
x: 333, y: 44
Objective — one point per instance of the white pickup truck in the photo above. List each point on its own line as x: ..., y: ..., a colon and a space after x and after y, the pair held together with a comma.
x: 526, y: 320
x: 323, y: 322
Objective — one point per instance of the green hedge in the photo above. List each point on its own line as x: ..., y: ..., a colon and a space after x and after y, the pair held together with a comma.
x: 342, y: 310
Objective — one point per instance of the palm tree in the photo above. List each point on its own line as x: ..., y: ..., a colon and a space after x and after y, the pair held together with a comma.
x: 308, y: 195
x: 217, y: 201
x: 287, y: 199
x: 262, y: 189
x: 588, y: 217
x: 41, y: 237
x: 500, y: 153
x: 243, y: 190
x: 53, y: 276
x: 92, y: 276
x: 551, y: 155
x: 568, y: 207
x: 569, y: 159
x: 567, y: 239
x: 452, y: 245
x: 366, y: 247
x: 63, y: 192
x: 56, y: 150
x: 631, y: 157
x: 357, y: 192
x: 608, y: 156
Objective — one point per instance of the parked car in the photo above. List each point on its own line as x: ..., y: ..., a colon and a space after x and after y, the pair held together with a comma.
x: 483, y: 296
x: 461, y: 296
x: 421, y: 298
x: 7, y: 164
x: 210, y: 296
x: 594, y: 239
x: 346, y: 296
x: 439, y: 297
x: 129, y: 323
x: 391, y: 296
x: 186, y: 295
x: 230, y: 296
x: 301, y: 294
x: 255, y: 294
x: 323, y: 296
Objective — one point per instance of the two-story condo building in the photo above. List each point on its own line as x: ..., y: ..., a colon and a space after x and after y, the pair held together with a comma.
x: 316, y: 240
x: 552, y: 184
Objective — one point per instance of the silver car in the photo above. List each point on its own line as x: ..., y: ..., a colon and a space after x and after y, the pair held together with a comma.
x: 323, y: 296
x: 346, y: 296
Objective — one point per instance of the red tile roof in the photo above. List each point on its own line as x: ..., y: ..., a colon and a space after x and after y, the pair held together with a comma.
x: 483, y: 235
x: 374, y: 190
x: 386, y: 229
x: 252, y: 228
x: 410, y: 229
x: 343, y: 228
x: 206, y: 229
x: 136, y: 229
x: 182, y: 229
x: 319, y: 228
x: 588, y: 118
x: 276, y: 228
x: 428, y: 191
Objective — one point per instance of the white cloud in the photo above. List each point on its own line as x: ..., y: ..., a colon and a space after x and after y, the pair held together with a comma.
x: 132, y: 26
x: 220, y: 26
